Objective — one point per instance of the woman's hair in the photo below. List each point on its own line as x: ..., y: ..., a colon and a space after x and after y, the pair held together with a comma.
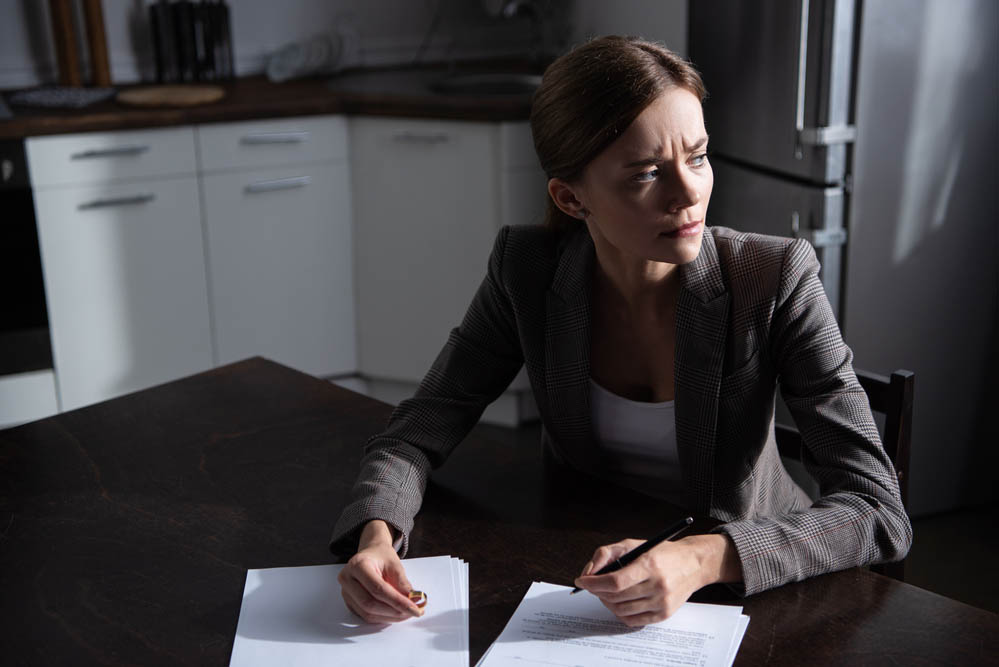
x: 590, y: 95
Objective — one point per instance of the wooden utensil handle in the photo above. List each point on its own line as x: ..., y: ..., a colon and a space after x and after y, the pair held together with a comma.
x: 93, y: 16
x: 61, y: 13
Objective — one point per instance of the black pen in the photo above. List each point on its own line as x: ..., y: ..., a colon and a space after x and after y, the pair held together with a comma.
x: 618, y: 563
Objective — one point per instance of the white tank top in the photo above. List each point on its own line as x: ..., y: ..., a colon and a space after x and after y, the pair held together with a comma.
x: 639, y: 441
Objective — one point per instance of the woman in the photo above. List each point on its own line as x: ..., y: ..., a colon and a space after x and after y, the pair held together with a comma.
x: 654, y: 346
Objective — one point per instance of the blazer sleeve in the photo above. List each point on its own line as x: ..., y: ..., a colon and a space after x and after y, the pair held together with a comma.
x: 859, y: 518
x: 479, y: 360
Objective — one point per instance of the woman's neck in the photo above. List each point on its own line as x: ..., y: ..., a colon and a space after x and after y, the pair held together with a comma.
x: 635, y: 287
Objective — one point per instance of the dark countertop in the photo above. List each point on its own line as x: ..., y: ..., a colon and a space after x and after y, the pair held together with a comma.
x: 401, y: 92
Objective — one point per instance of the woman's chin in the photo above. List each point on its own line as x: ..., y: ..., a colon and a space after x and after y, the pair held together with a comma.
x: 681, y: 250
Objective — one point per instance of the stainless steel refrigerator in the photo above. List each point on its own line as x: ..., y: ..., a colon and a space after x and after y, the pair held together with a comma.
x: 870, y: 127
x: 780, y: 80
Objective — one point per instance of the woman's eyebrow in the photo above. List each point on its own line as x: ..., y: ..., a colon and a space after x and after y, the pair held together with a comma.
x: 700, y: 143
x: 697, y: 145
x: 656, y: 156
x: 644, y: 162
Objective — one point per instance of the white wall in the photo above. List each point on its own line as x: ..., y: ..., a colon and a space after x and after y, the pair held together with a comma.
x: 389, y: 31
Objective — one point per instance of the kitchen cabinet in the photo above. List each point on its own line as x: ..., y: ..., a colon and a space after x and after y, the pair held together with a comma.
x: 277, y: 214
x: 166, y: 252
x: 332, y: 246
x: 429, y: 199
x: 122, y: 253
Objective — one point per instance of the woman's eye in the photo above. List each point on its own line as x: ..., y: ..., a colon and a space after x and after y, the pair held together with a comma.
x: 699, y: 160
x: 649, y: 175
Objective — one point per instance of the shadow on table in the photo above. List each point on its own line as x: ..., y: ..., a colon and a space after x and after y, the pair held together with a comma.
x: 284, y: 606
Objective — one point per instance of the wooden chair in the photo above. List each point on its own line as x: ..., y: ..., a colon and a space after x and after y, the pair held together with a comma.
x: 891, y: 396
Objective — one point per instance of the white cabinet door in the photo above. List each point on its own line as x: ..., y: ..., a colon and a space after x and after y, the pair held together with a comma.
x: 280, y: 266
x: 125, y: 283
x: 426, y: 201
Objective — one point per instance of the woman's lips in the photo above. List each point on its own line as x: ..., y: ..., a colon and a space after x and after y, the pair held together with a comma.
x: 690, y: 229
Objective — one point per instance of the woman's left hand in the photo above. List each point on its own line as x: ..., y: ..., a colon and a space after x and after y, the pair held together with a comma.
x: 659, y: 581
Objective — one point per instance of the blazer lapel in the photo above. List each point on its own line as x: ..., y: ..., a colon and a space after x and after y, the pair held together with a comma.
x: 701, y: 325
x: 567, y: 351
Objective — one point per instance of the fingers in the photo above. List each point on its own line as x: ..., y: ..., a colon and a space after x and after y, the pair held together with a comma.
x: 359, y: 601
x: 368, y: 612
x: 641, y: 605
x: 376, y: 585
x: 652, y: 608
x: 396, y: 576
x: 617, y: 592
x: 367, y: 593
x: 615, y: 584
x: 608, y: 554
x: 648, y: 590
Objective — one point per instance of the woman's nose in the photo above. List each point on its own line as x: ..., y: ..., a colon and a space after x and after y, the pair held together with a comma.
x: 683, y: 194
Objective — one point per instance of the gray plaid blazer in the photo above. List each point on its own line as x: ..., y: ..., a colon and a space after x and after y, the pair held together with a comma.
x: 752, y: 317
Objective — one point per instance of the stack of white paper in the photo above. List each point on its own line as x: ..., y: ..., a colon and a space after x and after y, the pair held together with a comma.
x: 296, y: 616
x: 552, y: 627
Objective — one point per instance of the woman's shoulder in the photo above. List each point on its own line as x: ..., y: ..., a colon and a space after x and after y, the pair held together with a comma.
x: 738, y: 243
x: 532, y: 246
x: 530, y: 260
x: 747, y: 254
x: 530, y: 238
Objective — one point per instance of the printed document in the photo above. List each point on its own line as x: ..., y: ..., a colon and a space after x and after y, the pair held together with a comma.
x: 553, y: 628
x: 296, y: 616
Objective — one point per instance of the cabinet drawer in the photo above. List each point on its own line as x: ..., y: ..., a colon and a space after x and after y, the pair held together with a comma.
x: 101, y: 157
x: 273, y: 142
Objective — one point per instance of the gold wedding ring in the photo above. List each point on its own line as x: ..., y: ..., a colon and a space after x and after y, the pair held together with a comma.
x: 419, y: 598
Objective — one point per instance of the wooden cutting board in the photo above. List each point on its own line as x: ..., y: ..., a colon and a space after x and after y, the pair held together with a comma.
x: 187, y: 95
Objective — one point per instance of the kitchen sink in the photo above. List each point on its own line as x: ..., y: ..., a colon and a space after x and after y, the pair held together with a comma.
x: 494, y: 83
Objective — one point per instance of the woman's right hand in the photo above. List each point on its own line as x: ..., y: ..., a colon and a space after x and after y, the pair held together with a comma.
x: 374, y: 583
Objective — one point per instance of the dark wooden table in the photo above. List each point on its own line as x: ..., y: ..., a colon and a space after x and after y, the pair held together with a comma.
x: 126, y: 529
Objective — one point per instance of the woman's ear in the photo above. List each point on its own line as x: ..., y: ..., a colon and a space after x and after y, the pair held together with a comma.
x: 565, y: 197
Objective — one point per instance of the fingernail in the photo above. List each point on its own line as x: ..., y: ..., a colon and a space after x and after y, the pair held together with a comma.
x: 586, y: 570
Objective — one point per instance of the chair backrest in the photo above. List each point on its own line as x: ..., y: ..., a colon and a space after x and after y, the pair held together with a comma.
x: 891, y: 396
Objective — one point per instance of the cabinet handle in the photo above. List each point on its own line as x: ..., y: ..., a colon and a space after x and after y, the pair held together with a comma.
x: 117, y: 201
x: 278, y: 184
x: 430, y: 138
x: 117, y: 151
x: 275, y: 138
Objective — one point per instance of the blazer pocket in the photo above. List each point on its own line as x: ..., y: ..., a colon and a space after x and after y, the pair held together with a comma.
x: 745, y: 378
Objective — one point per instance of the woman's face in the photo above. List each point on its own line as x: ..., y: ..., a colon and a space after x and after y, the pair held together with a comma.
x: 646, y: 195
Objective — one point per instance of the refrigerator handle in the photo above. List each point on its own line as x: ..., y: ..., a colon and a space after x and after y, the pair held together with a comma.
x: 813, y: 136
x: 819, y: 238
